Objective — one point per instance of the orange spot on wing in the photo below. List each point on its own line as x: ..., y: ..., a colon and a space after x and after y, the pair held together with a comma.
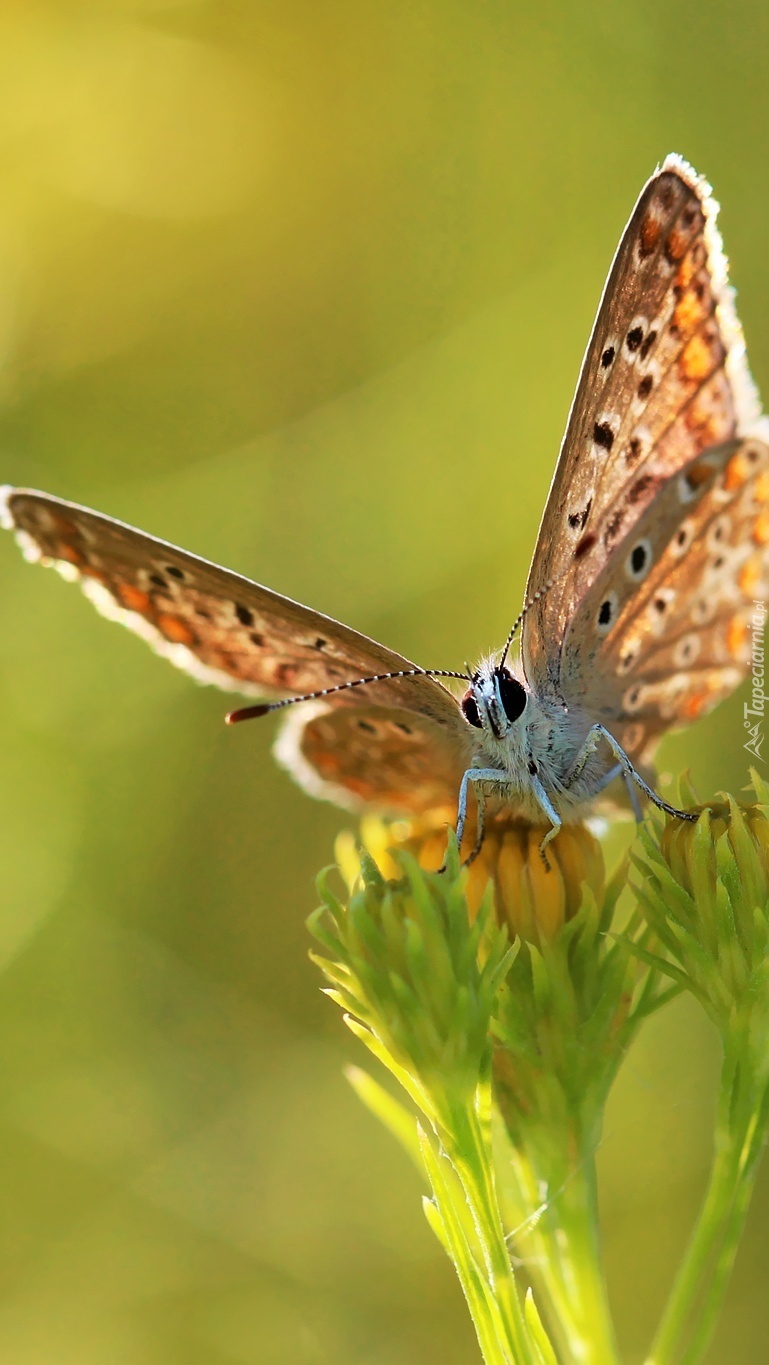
x: 219, y: 658
x: 706, y: 420
x: 761, y: 529
x: 699, y: 473
x: 696, y: 361
x: 675, y: 247
x: 750, y: 576
x: 88, y: 571
x: 689, y: 313
x: 326, y: 761
x: 68, y: 552
x: 694, y: 705
x: 736, y: 635
x: 737, y: 472
x: 175, y: 630
x: 650, y: 234
x: 133, y: 598
x: 761, y: 488
x: 685, y: 273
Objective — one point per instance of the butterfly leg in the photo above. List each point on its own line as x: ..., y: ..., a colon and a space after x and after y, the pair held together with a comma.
x: 475, y: 775
x: 480, y: 803
x: 638, y: 814
x: 550, y: 812
x: 631, y: 791
x: 629, y: 773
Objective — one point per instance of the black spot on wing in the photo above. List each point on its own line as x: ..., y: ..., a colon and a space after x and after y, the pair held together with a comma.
x: 603, y: 435
x: 646, y: 346
x: 614, y: 526
x: 585, y: 545
x: 578, y: 519
x: 638, y: 558
x: 641, y: 486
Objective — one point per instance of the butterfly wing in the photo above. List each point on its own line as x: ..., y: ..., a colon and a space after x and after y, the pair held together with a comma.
x: 666, y: 631
x: 227, y: 630
x: 382, y: 758
x: 663, y: 379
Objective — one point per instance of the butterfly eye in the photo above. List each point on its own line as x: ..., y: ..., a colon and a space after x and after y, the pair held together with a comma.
x: 512, y: 694
x: 470, y: 709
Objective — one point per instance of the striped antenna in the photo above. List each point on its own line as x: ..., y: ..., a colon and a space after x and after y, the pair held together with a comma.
x: 264, y: 708
x: 519, y: 618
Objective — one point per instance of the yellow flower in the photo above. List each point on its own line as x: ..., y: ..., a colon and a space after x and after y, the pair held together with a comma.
x: 705, y: 893
x: 534, y: 900
x: 697, y: 854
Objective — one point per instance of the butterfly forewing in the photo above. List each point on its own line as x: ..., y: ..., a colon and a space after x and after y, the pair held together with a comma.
x: 218, y: 626
x: 664, y: 379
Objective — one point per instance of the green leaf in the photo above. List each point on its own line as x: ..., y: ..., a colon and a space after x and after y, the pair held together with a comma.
x: 539, y: 1336
x: 390, y: 1112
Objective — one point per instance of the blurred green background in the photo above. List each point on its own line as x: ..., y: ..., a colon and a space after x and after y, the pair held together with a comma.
x: 303, y: 285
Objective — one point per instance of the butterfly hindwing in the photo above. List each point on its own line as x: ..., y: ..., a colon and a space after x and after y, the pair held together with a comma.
x: 664, y: 633
x: 382, y: 758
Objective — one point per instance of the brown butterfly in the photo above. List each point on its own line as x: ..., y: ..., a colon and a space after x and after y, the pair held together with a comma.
x: 651, y: 552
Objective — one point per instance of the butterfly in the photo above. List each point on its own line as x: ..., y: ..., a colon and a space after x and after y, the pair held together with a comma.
x: 650, y: 555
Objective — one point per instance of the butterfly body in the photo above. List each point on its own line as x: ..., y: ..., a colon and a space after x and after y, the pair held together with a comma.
x: 522, y: 736
x: 651, y: 555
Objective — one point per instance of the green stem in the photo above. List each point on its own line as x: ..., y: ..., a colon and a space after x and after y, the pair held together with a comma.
x: 697, y: 1294
x: 562, y: 1253
x: 582, y: 1270
x: 472, y: 1160
x: 451, y: 1205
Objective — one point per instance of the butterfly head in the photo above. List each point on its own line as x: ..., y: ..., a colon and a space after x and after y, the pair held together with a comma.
x: 495, y: 700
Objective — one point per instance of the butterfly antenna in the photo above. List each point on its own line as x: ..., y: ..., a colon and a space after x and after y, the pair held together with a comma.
x: 528, y: 604
x: 264, y: 708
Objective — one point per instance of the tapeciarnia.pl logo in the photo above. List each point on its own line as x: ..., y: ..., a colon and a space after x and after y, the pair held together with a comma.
x: 753, y: 712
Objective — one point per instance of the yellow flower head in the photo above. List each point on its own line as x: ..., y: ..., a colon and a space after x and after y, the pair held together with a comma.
x: 698, y: 854
x: 705, y: 893
x: 534, y: 900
